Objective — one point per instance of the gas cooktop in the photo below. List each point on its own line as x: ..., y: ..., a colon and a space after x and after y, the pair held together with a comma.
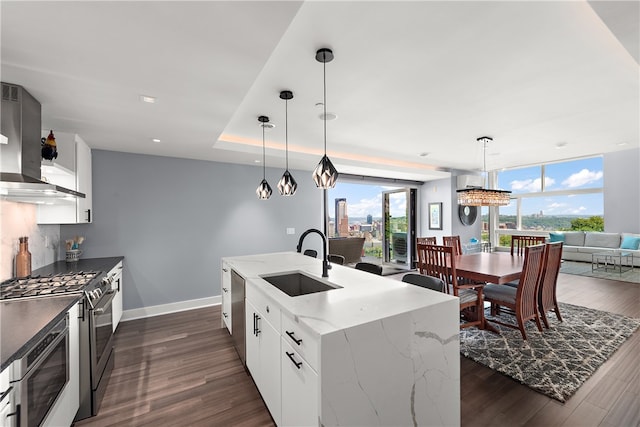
x: 46, y: 285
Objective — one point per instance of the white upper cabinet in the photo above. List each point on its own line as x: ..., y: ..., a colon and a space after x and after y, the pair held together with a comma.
x: 72, y: 170
x: 83, y: 181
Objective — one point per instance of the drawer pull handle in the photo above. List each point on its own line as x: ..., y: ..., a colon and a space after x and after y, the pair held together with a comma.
x: 294, y: 338
x: 256, y: 329
x: 298, y: 364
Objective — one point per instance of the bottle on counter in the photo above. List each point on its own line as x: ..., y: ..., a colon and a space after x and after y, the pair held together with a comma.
x: 23, y: 259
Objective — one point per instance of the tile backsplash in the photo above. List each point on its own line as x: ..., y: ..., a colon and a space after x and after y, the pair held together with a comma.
x: 17, y: 220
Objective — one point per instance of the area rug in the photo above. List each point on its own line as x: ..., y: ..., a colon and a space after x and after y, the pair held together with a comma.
x: 584, y: 269
x: 559, y: 360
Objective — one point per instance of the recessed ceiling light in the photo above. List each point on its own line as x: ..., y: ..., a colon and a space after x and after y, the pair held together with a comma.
x: 267, y: 126
x: 330, y: 116
x: 148, y: 99
x: 257, y: 161
x: 425, y: 154
x: 622, y: 143
x: 560, y: 145
x: 155, y: 140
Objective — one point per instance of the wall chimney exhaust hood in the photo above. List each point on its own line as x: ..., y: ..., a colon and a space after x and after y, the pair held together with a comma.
x: 20, y: 151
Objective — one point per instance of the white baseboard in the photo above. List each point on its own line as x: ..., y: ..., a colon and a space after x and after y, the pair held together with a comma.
x: 174, y: 307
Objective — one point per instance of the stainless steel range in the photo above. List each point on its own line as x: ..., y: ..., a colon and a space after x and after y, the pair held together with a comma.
x: 96, y: 325
x: 46, y: 285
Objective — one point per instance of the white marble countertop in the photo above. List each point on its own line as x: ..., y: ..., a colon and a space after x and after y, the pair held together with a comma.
x: 363, y: 298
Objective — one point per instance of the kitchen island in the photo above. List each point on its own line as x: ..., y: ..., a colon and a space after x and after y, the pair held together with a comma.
x: 372, y: 351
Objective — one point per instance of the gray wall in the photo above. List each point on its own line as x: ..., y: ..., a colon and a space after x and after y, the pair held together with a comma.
x: 173, y: 219
x: 622, y: 191
x: 444, y: 191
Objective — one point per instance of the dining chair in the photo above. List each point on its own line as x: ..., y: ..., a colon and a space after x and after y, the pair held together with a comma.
x: 426, y: 240
x: 423, y: 281
x: 370, y: 268
x: 311, y: 252
x: 453, y: 241
x: 336, y: 259
x: 547, y: 294
x: 440, y: 262
x: 523, y: 299
x: 518, y: 243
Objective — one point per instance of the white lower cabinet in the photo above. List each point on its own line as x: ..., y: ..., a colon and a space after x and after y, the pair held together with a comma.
x: 7, y: 402
x: 282, y: 358
x: 263, y: 354
x: 116, y: 286
x: 299, y: 389
x: 226, y: 296
x: 65, y: 408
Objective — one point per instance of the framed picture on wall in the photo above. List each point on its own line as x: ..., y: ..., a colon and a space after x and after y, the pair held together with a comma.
x: 435, y: 216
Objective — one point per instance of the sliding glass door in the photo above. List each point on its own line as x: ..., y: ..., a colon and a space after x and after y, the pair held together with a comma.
x: 399, y: 224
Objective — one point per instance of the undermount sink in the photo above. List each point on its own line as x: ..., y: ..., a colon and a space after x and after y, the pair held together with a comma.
x: 296, y: 283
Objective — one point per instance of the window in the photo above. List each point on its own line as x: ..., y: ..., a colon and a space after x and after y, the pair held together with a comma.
x: 550, y: 197
x: 356, y: 210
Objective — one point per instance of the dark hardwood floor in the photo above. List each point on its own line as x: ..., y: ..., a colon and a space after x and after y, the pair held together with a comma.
x: 182, y: 370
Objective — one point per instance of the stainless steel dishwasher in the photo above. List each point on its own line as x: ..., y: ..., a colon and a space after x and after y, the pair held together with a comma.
x: 237, y: 314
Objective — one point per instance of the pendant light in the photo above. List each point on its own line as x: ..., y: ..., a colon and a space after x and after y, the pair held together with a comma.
x: 483, y: 196
x: 264, y: 190
x: 287, y: 185
x: 325, y: 174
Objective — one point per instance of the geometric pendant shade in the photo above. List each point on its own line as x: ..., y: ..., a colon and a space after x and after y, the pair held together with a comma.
x: 264, y: 189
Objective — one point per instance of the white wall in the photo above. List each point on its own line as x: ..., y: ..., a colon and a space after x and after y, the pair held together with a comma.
x: 622, y: 191
x: 18, y: 220
x: 173, y: 219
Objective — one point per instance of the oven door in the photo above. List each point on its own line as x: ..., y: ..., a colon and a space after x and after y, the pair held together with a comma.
x: 101, y: 331
x: 46, y: 378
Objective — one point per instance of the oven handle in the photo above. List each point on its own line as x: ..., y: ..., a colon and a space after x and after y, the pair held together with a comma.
x: 100, y: 308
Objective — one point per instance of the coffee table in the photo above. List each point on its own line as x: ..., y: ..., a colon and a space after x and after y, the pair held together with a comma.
x: 606, y: 261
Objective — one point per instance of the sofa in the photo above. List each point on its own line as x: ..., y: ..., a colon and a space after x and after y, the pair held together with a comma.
x: 349, y: 247
x: 580, y: 245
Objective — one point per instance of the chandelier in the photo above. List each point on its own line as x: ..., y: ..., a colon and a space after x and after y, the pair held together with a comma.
x: 477, y: 196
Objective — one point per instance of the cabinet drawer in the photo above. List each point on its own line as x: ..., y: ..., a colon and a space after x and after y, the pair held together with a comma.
x: 268, y: 310
x: 300, y: 389
x: 303, y: 341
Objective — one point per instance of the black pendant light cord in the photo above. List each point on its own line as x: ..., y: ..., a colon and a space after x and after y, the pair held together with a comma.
x: 286, y: 132
x: 324, y: 84
x: 264, y: 166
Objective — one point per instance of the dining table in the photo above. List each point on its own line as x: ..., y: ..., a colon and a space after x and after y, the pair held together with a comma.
x: 489, y: 267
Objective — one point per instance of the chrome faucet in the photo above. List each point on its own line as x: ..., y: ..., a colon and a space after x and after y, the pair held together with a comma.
x: 325, y: 258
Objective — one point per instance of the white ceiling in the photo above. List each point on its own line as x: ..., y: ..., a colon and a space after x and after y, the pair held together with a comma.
x: 408, y: 78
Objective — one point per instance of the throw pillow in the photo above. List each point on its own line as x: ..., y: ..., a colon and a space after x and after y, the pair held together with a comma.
x: 630, y: 242
x: 556, y: 237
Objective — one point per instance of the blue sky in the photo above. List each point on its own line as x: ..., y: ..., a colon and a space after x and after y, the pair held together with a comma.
x: 362, y: 200
x: 576, y: 174
x: 365, y: 199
